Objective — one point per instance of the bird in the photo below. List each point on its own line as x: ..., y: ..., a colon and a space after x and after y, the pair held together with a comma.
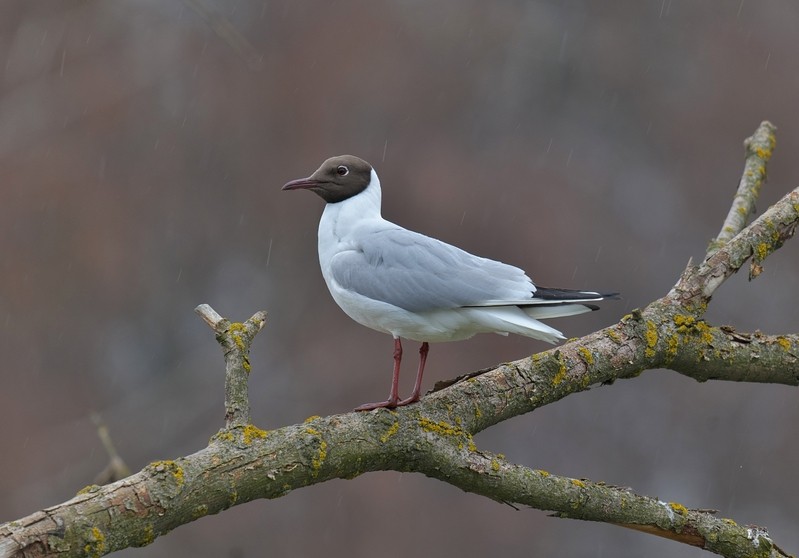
x: 415, y: 287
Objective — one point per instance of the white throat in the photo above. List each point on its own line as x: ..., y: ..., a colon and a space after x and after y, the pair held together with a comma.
x: 340, y: 219
x: 343, y: 223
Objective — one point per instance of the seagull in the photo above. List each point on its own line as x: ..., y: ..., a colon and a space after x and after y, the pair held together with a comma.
x: 415, y: 287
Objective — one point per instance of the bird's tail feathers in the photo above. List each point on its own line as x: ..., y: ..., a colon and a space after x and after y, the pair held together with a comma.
x: 546, y: 312
x: 513, y: 319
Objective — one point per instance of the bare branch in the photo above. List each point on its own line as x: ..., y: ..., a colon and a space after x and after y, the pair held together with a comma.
x: 492, y: 476
x: 721, y: 353
x: 759, y: 147
x: 235, y: 339
x: 116, y: 468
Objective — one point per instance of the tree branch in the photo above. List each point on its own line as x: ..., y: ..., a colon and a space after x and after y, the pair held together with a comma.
x: 759, y: 147
x: 236, y: 340
x: 434, y: 436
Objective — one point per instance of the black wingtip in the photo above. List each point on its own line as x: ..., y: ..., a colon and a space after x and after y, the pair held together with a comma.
x: 571, y: 294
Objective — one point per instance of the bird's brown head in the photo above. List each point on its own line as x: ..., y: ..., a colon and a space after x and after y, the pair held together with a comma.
x: 339, y: 178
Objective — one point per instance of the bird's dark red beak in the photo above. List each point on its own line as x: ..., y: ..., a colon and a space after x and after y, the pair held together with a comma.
x: 301, y: 184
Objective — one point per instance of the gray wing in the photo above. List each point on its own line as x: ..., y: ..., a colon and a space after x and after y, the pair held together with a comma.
x: 419, y: 273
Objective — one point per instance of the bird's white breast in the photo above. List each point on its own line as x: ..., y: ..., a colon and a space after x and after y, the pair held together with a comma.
x: 340, y: 227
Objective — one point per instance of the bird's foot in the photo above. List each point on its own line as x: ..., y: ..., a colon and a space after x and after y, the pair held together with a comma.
x: 412, y: 399
x: 389, y: 404
x: 381, y: 405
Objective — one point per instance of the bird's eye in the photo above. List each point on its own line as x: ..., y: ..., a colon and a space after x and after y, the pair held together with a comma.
x: 342, y: 170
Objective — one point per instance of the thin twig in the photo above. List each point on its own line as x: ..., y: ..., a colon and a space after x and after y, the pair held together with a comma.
x: 116, y: 468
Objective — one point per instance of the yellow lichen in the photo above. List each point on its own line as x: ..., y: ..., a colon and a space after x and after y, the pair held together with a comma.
x: 561, y: 373
x: 250, y: 433
x: 544, y: 474
x: 321, y: 454
x: 199, y: 511
x: 170, y: 467
x: 311, y: 419
x: 704, y: 332
x: 651, y: 339
x: 683, y: 323
x: 762, y: 251
x: 784, y: 343
x: 585, y: 353
x: 445, y: 429
x: 689, y: 324
x: 679, y: 508
x: 728, y: 521
x: 319, y: 460
x: 88, y: 489
x: 672, y: 346
x: 613, y: 336
x: 149, y: 534
x: 495, y: 465
x: 224, y: 435
x: 578, y: 483
x: 390, y: 432
x: 95, y: 544
x: 440, y: 427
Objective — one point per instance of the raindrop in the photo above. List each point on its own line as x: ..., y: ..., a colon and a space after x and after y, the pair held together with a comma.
x: 563, y: 46
x: 64, y: 56
x: 269, y: 252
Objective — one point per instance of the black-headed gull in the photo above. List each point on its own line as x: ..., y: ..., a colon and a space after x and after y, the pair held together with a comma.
x: 410, y: 285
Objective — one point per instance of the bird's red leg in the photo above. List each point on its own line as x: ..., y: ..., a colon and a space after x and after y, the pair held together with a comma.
x: 417, y: 386
x: 393, y: 397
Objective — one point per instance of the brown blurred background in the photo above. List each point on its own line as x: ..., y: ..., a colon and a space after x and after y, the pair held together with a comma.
x: 597, y: 145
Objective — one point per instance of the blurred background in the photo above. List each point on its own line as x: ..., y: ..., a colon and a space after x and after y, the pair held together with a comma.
x: 143, y: 146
